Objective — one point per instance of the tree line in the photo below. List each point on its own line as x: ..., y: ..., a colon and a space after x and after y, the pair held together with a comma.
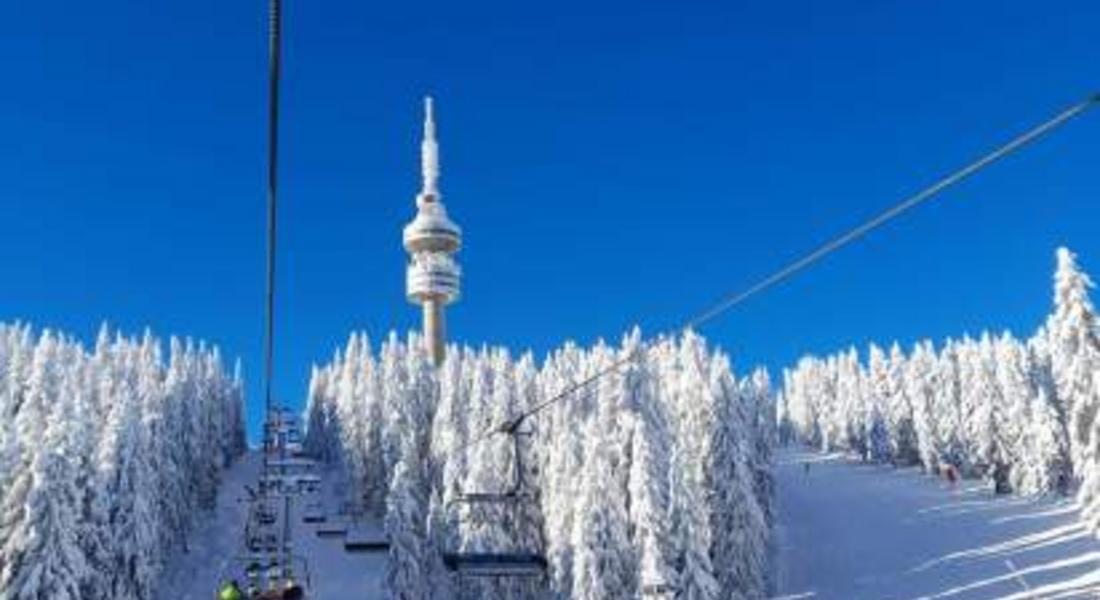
x: 654, y: 482
x: 1020, y: 413
x: 106, y: 459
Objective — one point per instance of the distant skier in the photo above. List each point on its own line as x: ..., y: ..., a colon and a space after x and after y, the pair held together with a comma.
x: 806, y: 467
x: 230, y: 591
x: 951, y: 474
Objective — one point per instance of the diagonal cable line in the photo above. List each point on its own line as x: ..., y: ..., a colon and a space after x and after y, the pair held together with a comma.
x: 805, y: 261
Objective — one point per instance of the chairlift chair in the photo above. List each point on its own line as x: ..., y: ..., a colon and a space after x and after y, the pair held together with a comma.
x: 658, y: 590
x: 308, y: 483
x: 260, y: 532
x: 262, y: 540
x: 291, y: 484
x: 331, y: 529
x: 485, y: 564
x: 293, y: 464
x: 265, y: 517
x: 275, y: 577
x: 313, y: 512
x: 333, y: 526
x: 261, y: 511
x: 514, y: 563
x: 366, y: 537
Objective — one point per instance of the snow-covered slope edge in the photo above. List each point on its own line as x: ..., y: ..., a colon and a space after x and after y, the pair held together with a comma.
x: 916, y: 538
x: 1022, y: 414
x: 106, y: 458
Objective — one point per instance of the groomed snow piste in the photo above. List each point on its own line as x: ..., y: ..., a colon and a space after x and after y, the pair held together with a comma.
x: 849, y: 531
x: 334, y: 573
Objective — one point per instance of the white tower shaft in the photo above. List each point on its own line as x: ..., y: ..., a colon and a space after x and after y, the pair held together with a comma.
x: 435, y: 330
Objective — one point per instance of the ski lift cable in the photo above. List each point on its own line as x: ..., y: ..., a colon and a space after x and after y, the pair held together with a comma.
x: 274, y: 71
x: 797, y: 266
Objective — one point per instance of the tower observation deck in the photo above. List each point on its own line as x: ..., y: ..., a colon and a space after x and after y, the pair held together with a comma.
x: 433, y: 277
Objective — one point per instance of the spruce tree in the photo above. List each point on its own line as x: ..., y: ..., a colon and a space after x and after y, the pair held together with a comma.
x: 1074, y: 344
x: 920, y: 385
x: 52, y: 561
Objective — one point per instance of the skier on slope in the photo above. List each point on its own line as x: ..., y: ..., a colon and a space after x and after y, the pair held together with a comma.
x: 952, y: 474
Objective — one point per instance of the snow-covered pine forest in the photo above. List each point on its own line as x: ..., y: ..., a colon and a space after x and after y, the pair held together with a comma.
x: 659, y: 475
x: 1021, y: 413
x: 106, y: 458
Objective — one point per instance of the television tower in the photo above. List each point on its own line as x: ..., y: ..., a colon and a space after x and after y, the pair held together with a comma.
x: 431, y: 239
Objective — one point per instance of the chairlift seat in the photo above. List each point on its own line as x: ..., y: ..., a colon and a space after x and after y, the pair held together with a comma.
x: 292, y: 484
x: 659, y: 590
x: 331, y: 529
x: 313, y: 513
x: 304, y: 464
x: 307, y: 484
x: 364, y: 537
x: 261, y: 542
x: 518, y: 564
x: 281, y: 578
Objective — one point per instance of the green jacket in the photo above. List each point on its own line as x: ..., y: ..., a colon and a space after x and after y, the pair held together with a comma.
x: 230, y: 591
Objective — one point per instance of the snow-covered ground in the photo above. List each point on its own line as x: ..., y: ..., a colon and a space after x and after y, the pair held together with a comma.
x: 850, y: 532
x: 334, y: 573
x: 847, y: 532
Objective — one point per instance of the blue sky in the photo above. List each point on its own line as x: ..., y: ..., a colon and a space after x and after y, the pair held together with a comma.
x: 611, y: 163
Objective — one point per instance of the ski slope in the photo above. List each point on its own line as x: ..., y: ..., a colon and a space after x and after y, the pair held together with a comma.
x: 849, y: 532
x: 334, y: 573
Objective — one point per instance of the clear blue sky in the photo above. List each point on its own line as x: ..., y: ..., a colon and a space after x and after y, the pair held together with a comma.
x: 611, y: 163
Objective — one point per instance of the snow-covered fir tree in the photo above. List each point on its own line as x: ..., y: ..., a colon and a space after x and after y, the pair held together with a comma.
x: 406, y: 519
x: 106, y: 456
x: 920, y: 386
x: 904, y: 447
x: 1073, y: 341
x: 655, y: 482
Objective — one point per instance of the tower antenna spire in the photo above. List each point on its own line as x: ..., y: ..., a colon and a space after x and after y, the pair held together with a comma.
x: 429, y: 154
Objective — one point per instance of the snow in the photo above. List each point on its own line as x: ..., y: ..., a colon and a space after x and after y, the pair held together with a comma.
x: 334, y: 573
x: 850, y: 531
